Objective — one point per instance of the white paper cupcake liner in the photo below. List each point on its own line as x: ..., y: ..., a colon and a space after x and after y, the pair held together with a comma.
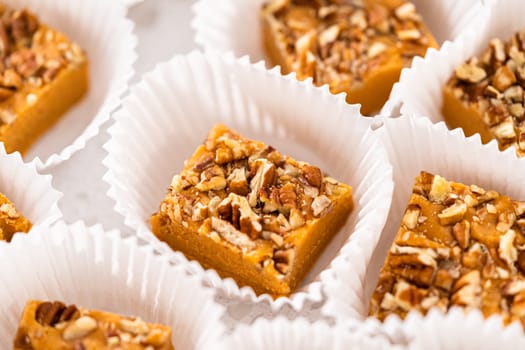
x: 415, y: 144
x: 299, y: 334
x: 88, y: 267
x: 419, y: 91
x: 31, y: 193
x: 168, y: 114
x: 101, y: 28
x: 440, y: 332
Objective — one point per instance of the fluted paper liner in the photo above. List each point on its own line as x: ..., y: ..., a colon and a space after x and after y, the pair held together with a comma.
x: 31, y: 193
x: 101, y: 28
x: 415, y: 144
x: 299, y: 334
x: 168, y: 115
x: 420, y: 88
x: 88, y: 267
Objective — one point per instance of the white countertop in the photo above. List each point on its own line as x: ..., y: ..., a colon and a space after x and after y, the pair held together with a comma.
x: 163, y: 29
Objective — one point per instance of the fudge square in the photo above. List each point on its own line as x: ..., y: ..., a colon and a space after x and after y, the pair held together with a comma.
x: 485, y: 94
x: 46, y: 325
x: 11, y: 220
x: 457, y: 245
x: 250, y: 213
x: 42, y: 75
x: 357, y: 47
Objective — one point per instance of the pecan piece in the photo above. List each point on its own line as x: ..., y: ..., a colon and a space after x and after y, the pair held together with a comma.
x: 238, y: 183
x: 313, y: 175
x: 503, y: 78
x: 471, y: 73
x: 283, y: 259
x: 452, y: 214
x: 287, y: 196
x: 49, y: 313
x: 23, y: 25
x: 461, y: 231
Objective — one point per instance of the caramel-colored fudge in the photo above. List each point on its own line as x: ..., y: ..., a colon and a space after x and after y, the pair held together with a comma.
x: 355, y: 47
x: 485, y: 94
x: 53, y: 325
x: 457, y: 246
x: 42, y: 75
x: 250, y: 213
x: 11, y: 221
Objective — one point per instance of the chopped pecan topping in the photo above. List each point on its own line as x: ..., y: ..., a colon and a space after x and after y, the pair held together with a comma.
x: 494, y: 85
x: 468, y: 252
x: 338, y: 42
x: 257, y: 198
x: 51, y: 313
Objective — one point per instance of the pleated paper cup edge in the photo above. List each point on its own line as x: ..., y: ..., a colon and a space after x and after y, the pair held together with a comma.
x: 79, y: 231
x: 111, y: 102
x: 54, y: 213
x: 296, y: 301
x: 301, y: 328
x: 403, y: 332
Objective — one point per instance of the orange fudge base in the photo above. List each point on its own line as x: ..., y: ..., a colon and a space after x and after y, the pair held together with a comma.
x: 458, y: 114
x: 11, y: 221
x: 245, y: 268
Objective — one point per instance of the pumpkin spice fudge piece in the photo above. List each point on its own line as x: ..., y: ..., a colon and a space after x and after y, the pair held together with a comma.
x: 457, y: 246
x: 485, y: 94
x: 11, y: 221
x: 245, y: 210
x: 357, y: 47
x: 42, y: 75
x: 53, y: 325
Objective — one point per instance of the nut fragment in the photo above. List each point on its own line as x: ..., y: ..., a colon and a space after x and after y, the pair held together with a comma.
x: 503, y: 78
x: 452, y: 214
x: 329, y: 35
x: 296, y: 219
x: 238, y: 183
x: 313, y: 175
x: 461, y: 231
x: 320, y: 204
x: 287, y: 196
x: 440, y: 189
x: 467, y: 290
x: 411, y: 217
x: 157, y: 337
x: 505, y: 130
x: 507, y: 251
x: 283, y: 260
x: 263, y: 177
x: 376, y: 49
x: 407, y: 11
x: 471, y: 73
x: 229, y: 233
x: 136, y: 326
x: 79, y: 328
x: 499, y: 49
